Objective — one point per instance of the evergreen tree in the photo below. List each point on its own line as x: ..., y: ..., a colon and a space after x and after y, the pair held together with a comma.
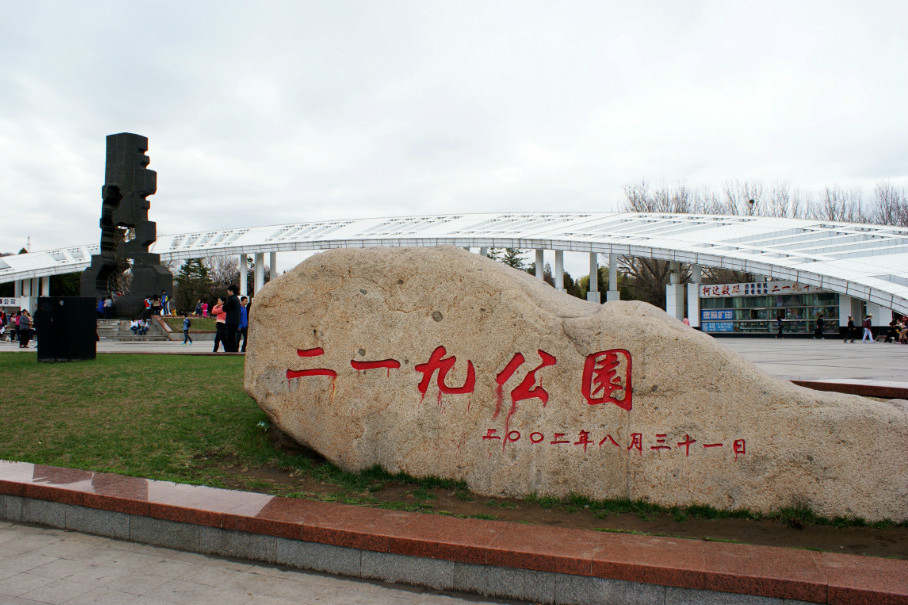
x: 191, y: 283
x: 512, y: 257
x: 67, y: 284
x: 546, y: 273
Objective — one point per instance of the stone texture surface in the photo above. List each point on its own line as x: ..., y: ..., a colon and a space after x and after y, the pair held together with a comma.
x: 771, y: 444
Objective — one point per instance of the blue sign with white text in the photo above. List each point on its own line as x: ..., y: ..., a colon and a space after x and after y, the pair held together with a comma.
x: 717, y: 326
x: 725, y: 314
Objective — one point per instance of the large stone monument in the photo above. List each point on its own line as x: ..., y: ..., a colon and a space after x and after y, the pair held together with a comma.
x: 126, y: 232
x: 435, y: 361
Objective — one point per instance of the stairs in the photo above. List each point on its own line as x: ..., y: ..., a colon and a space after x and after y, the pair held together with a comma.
x: 118, y: 329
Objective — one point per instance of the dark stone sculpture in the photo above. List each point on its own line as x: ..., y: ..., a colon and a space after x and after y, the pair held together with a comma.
x: 125, y: 268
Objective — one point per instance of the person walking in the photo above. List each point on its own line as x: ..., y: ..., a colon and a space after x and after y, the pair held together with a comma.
x: 231, y: 319
x: 779, y: 326
x: 25, y: 329
x: 14, y: 324
x: 165, y: 303
x: 219, y: 324
x: 244, y: 323
x: 868, y: 333
x: 818, y: 332
x: 187, y: 323
x: 849, y: 331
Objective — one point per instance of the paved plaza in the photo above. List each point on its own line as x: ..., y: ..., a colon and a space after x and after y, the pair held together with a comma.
x: 830, y: 359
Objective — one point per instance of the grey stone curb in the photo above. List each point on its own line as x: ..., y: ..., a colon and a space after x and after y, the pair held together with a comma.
x: 439, y: 574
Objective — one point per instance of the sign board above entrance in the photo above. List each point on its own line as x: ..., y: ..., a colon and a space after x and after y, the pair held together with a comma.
x: 760, y: 288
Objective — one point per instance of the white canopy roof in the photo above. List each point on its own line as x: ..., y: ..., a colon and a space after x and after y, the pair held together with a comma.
x: 869, y: 262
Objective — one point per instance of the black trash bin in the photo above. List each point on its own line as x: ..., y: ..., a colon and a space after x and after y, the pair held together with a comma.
x: 66, y: 327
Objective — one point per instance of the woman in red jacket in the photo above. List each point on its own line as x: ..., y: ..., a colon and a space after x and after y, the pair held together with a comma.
x: 220, y: 324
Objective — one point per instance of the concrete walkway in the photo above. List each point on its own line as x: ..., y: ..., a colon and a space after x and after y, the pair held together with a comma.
x: 44, y: 565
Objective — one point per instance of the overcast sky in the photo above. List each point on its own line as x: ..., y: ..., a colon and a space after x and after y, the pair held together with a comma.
x: 273, y: 112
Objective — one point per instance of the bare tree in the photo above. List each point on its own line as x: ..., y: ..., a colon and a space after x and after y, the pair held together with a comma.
x: 890, y: 205
x: 647, y: 277
x: 638, y: 198
x: 785, y: 202
x: 223, y: 270
x: 841, y: 204
x: 743, y: 197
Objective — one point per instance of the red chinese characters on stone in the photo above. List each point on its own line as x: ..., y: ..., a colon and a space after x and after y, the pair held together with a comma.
x: 316, y: 352
x: 527, y: 389
x: 610, y: 439
x: 438, y: 362
x: 388, y: 364
x: 583, y: 438
x: 740, y: 448
x: 660, y: 442
x: 687, y: 443
x: 491, y: 434
x: 607, y: 378
x: 636, y: 442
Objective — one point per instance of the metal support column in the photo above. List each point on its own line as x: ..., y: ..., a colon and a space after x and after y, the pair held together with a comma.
x: 693, y: 296
x: 259, y: 271
x: 845, y: 311
x: 540, y: 260
x: 674, y: 293
x: 244, y: 277
x: 45, y: 286
x: 559, y: 270
x: 593, y: 295
x: 272, y: 264
x: 613, y: 292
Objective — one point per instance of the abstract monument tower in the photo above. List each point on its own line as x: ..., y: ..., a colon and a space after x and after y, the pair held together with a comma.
x: 125, y: 266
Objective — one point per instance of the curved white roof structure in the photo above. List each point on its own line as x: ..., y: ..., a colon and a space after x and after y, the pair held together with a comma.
x: 869, y: 262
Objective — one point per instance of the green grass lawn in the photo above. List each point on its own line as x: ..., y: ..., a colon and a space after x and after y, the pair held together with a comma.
x: 199, y: 324
x: 169, y: 417
x: 157, y: 416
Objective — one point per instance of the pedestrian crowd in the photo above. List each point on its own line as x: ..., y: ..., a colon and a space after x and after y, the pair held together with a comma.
x: 17, y: 327
x: 897, y: 331
x: 231, y: 321
x: 231, y: 315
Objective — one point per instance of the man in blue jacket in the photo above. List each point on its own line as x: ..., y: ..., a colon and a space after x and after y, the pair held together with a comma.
x: 244, y: 323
